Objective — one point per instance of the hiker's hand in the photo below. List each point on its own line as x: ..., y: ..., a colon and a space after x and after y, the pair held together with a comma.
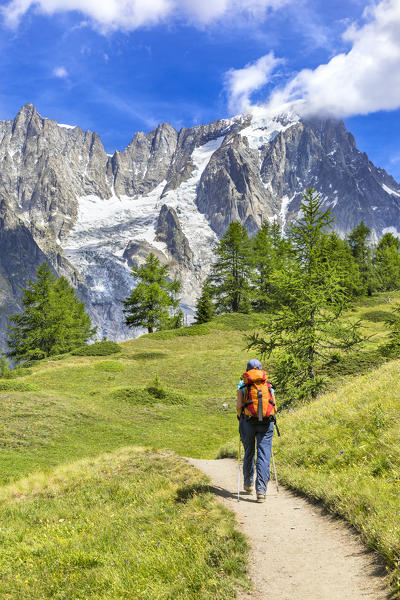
x: 238, y: 417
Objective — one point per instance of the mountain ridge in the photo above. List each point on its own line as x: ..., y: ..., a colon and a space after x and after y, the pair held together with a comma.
x: 92, y: 215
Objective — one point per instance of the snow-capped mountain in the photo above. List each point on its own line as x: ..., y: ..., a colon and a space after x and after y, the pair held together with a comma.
x: 92, y: 215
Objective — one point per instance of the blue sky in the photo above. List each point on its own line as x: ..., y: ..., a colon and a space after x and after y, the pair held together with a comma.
x: 119, y: 66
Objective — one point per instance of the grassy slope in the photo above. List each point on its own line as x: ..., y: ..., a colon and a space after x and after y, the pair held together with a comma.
x: 344, y: 449
x: 131, y: 524
x: 75, y: 412
x: 78, y: 411
x: 125, y: 525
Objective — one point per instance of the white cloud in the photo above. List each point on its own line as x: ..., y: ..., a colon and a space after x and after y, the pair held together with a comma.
x: 363, y: 80
x: 241, y: 83
x: 60, y: 72
x: 131, y: 14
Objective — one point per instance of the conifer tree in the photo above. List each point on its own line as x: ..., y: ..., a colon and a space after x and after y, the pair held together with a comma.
x: 53, y: 320
x: 154, y: 297
x: 4, y: 368
x: 362, y: 252
x: 230, y: 278
x: 72, y: 326
x: 339, y: 252
x: 305, y: 330
x: 271, y: 254
x: 387, y: 263
x: 174, y: 321
x: 205, y: 309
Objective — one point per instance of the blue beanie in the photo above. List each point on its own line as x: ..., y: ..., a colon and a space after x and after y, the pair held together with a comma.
x: 253, y: 364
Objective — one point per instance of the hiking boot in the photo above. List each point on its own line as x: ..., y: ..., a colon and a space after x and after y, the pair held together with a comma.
x: 248, y: 488
x: 260, y: 497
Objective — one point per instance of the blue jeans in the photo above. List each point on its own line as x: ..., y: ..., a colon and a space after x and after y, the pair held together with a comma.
x: 249, y: 434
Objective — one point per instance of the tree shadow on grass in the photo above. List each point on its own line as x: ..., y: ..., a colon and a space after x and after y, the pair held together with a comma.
x: 186, y: 492
x: 148, y: 355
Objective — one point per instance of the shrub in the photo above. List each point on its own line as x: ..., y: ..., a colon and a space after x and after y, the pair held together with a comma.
x: 154, y: 393
x: 146, y: 355
x: 17, y: 372
x: 98, y: 349
x: 11, y: 385
x: 55, y: 357
x: 132, y: 395
x: 28, y: 363
x: 155, y: 389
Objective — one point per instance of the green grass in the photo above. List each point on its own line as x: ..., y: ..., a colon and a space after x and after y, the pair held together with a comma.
x: 80, y: 406
x: 71, y: 410
x: 103, y: 348
x: 132, y: 524
x: 85, y: 405
x: 344, y: 450
x: 16, y: 386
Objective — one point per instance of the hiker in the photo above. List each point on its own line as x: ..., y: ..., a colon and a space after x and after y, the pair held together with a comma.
x: 256, y: 425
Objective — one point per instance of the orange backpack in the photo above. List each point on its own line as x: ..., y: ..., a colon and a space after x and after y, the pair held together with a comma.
x: 258, y: 396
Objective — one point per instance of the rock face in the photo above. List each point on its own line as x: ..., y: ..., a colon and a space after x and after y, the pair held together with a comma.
x: 231, y: 189
x: 170, y: 232
x: 136, y: 253
x: 91, y: 215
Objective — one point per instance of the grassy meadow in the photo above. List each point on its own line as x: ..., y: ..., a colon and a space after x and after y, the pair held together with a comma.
x: 130, y: 524
x: 96, y: 502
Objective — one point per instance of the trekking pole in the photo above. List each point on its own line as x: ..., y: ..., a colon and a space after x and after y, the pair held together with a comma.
x: 276, y: 477
x: 238, y: 494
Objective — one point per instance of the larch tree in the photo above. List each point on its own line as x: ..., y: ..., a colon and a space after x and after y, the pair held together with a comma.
x: 271, y: 254
x: 387, y: 263
x: 205, y: 309
x: 361, y: 249
x: 306, y: 329
x: 53, y: 320
x: 153, y: 302
x: 230, y: 278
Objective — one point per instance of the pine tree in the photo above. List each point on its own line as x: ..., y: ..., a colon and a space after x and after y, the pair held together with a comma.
x: 305, y: 330
x: 387, y: 263
x: 53, y: 320
x: 232, y: 272
x: 205, y: 309
x: 362, y: 252
x: 154, y: 297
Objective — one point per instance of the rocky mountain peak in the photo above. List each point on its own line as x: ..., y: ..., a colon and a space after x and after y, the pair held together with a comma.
x: 92, y: 216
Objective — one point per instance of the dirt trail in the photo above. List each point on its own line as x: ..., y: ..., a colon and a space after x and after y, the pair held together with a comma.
x: 314, y: 555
